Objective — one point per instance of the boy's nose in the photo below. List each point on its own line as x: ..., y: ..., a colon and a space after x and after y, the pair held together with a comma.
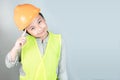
x: 39, y: 30
x: 39, y: 27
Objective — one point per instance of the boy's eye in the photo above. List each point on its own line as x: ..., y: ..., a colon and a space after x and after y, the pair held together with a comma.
x: 39, y: 22
x: 32, y: 28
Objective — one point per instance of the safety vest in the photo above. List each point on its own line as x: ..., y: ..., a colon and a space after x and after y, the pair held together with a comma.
x: 36, y: 66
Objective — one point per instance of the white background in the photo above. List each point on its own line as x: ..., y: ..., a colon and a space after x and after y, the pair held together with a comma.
x: 90, y: 28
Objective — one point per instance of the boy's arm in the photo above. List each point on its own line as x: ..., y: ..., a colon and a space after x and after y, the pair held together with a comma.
x: 12, y: 57
x: 10, y: 62
x: 62, y: 71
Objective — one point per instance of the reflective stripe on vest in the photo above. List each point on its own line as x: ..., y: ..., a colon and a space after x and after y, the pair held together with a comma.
x: 37, y: 67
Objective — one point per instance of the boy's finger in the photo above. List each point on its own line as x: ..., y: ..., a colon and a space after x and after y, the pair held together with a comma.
x: 23, y: 34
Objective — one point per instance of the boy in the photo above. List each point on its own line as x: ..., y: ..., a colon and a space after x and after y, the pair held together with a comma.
x: 41, y: 53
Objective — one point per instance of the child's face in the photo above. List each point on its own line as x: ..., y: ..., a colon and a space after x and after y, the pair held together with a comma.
x: 38, y: 28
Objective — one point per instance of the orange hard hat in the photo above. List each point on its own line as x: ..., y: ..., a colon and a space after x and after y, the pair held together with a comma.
x: 24, y: 15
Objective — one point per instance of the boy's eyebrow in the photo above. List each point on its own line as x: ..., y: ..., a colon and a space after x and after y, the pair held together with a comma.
x: 30, y: 26
x: 39, y: 18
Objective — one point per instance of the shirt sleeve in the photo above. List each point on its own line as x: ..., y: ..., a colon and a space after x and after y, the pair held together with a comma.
x: 62, y: 71
x: 9, y: 63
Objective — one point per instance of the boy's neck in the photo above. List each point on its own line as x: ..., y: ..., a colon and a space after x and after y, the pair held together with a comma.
x: 42, y: 39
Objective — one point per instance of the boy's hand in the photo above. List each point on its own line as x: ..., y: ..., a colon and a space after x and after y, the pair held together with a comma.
x: 20, y: 41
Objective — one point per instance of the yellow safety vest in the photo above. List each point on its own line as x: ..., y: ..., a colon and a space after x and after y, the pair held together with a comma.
x: 36, y: 66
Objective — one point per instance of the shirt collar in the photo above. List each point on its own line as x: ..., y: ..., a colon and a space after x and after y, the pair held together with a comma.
x: 44, y: 41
